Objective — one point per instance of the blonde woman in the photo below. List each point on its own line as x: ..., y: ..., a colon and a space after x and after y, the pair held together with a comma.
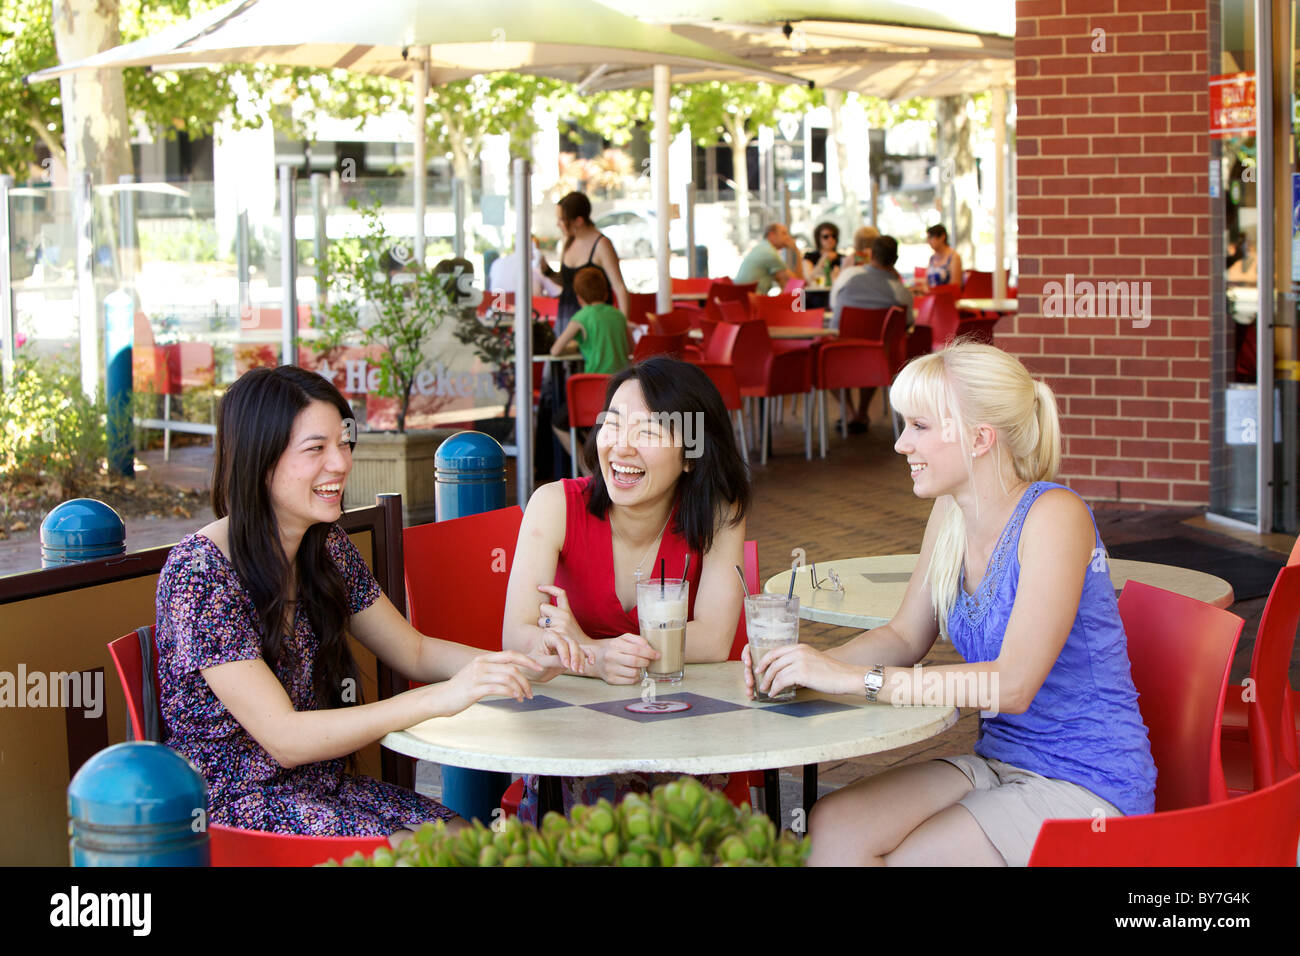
x: 1011, y: 570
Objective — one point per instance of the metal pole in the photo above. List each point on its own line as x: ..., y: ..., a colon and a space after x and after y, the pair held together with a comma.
x: 783, y: 196
x: 664, y: 297
x: 241, y: 266
x: 319, y: 186
x: 458, y: 187
x: 1264, y: 321
x: 999, y: 192
x: 420, y: 55
x: 288, y: 270
x: 523, y: 333
x: 88, y: 307
x: 690, y: 230
x: 7, y: 338
x: 126, y: 229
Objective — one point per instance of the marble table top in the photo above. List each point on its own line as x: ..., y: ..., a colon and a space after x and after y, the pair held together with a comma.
x: 874, y: 587
x: 990, y: 305
x: 723, y: 733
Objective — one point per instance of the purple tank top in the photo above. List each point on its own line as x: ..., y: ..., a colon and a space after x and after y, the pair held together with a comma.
x: 1083, y: 725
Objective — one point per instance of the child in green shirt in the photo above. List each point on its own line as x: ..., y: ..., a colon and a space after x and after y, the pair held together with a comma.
x: 601, y: 330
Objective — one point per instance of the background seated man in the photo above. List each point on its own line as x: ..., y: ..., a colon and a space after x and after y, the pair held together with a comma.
x: 764, y: 264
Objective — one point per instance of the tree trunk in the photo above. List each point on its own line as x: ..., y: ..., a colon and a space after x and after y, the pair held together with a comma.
x: 95, y: 128
x: 739, y: 140
x: 853, y: 212
x: 463, y: 150
x: 958, y: 182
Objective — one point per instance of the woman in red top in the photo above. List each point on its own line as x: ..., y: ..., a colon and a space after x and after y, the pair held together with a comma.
x: 667, y: 480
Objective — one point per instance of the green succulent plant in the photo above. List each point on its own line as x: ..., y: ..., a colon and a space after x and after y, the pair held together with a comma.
x: 679, y: 824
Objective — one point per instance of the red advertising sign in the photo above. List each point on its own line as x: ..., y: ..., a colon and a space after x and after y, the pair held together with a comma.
x: 1232, y: 105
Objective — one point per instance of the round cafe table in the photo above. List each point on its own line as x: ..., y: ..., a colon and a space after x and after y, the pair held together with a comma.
x: 578, y: 726
x: 874, y: 587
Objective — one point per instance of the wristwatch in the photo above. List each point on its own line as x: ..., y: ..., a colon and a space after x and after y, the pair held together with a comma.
x: 874, y: 680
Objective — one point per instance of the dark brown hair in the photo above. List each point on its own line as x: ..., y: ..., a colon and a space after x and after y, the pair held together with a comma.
x: 254, y: 423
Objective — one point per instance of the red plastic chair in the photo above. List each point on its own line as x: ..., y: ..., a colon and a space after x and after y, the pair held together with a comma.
x: 1260, y: 829
x: 977, y: 285
x: 654, y: 344
x: 721, y: 292
x: 869, y: 324
x: 764, y: 373
x: 699, y: 286
x: 231, y: 846
x: 470, y: 555
x: 546, y: 307
x: 640, y: 306
x: 724, y: 379
x: 1268, y: 752
x: 676, y: 322
x: 938, y: 312
x: 794, y: 285
x: 586, y: 394
x: 857, y: 363
x: 1180, y: 650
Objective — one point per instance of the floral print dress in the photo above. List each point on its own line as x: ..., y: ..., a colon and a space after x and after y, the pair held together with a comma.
x: 205, y: 617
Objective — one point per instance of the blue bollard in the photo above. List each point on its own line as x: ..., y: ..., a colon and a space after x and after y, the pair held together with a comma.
x: 470, y: 476
x: 138, y: 804
x: 80, y: 530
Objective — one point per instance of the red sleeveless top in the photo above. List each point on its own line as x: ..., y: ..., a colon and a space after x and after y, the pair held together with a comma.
x: 586, y: 566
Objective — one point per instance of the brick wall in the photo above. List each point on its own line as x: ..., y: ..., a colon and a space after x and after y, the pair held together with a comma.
x: 1112, y: 155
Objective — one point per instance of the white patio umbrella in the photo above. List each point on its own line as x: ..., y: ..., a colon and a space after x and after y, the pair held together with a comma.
x: 438, y: 43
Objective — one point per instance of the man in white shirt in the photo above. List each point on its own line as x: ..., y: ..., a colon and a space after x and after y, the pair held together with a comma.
x: 504, y: 274
x: 862, y: 240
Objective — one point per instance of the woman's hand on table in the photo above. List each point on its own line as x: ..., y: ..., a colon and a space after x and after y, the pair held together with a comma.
x: 619, y: 660
x: 498, y: 674
x: 799, y: 665
x: 556, y: 653
x: 561, y: 630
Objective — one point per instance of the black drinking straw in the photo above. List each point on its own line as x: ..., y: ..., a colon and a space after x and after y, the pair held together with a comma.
x: 662, y: 563
x: 790, y: 593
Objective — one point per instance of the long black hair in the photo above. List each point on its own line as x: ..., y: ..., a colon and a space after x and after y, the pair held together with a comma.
x: 715, y: 493
x: 254, y: 423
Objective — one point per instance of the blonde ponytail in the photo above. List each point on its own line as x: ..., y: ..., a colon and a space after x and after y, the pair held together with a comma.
x: 969, y: 384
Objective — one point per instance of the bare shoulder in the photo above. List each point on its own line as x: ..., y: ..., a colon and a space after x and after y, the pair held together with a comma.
x: 546, y: 514
x: 218, y: 532
x: 1058, y: 515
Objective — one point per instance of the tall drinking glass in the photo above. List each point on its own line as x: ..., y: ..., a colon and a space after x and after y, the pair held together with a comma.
x: 772, y: 621
x: 661, y: 609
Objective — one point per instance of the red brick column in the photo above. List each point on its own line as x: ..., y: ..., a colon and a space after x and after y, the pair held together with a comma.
x: 1112, y: 157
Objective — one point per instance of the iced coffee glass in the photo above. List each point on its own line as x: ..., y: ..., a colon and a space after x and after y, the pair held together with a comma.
x: 661, y: 609
x: 772, y: 621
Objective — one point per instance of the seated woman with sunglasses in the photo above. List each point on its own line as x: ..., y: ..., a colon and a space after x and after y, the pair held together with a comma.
x: 667, y: 484
x: 822, y: 264
x: 1008, y: 571
x: 258, y: 687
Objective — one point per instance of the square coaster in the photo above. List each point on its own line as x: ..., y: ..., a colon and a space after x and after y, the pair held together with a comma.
x: 539, y: 702
x: 888, y: 577
x: 806, y: 708
x: 699, y: 705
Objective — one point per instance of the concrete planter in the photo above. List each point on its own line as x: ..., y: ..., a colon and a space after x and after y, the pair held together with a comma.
x: 401, y: 463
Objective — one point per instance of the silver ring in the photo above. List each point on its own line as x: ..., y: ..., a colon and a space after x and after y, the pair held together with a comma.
x: 546, y: 623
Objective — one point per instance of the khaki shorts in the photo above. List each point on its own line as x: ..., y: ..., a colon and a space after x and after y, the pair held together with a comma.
x: 1010, y: 804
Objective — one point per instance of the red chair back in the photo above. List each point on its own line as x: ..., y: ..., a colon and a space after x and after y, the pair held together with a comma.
x: 1180, y: 650
x: 852, y: 363
x: 1260, y: 829
x: 234, y: 847
x: 977, y: 285
x: 794, y: 285
x: 230, y: 846
x: 698, y: 286
x: 728, y: 291
x: 640, y: 306
x: 676, y: 322
x: 856, y: 323
x: 653, y: 344
x: 720, y: 342
x: 1271, y: 718
x: 751, y: 354
x: 730, y: 311
x: 129, y: 664
x: 768, y: 307
x: 938, y: 312
x: 724, y: 379
x: 546, y: 307
x: 586, y: 395
x: 461, y: 556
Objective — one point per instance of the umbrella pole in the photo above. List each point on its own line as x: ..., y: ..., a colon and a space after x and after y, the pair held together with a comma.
x: 420, y: 54
x: 664, y: 299
x: 524, y: 334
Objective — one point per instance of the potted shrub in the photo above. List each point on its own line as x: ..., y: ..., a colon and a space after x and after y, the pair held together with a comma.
x: 392, y: 306
x: 493, y: 342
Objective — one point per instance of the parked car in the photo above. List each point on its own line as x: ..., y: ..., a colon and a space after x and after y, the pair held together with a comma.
x: 634, y: 232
